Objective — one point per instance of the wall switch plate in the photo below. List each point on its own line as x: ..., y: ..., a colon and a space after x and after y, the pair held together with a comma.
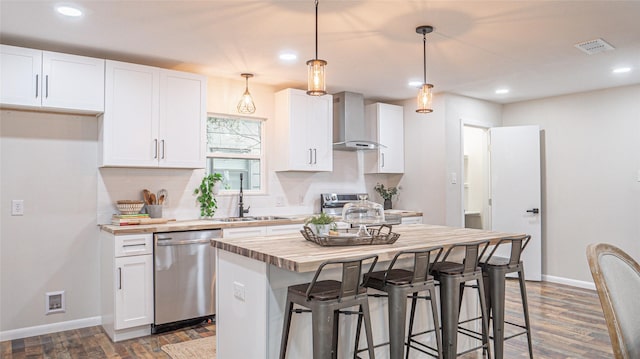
x: 279, y: 201
x: 238, y: 290
x: 17, y: 207
x: 454, y: 178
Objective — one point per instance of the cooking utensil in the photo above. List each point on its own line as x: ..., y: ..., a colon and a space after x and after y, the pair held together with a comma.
x: 146, y: 194
x: 152, y: 198
x: 162, y: 196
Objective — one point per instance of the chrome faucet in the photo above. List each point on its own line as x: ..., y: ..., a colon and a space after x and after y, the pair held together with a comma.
x: 241, y: 210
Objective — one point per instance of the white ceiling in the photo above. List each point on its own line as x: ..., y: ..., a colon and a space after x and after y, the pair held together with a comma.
x: 371, y: 45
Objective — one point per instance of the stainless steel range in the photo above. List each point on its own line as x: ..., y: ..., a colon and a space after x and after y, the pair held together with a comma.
x: 332, y: 204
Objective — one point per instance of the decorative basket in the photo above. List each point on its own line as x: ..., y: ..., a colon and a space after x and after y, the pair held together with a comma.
x: 129, y: 206
x: 380, y: 235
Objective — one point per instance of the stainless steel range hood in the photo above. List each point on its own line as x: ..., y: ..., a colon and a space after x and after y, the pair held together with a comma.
x: 349, y: 130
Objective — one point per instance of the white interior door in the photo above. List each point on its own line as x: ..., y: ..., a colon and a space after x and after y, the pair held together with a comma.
x: 515, y: 189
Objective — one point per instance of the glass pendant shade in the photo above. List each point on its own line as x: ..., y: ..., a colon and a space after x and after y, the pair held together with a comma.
x: 315, y: 77
x: 246, y: 104
x: 425, y: 97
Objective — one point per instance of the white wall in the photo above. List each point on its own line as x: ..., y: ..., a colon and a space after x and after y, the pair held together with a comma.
x: 50, y: 162
x: 591, y: 184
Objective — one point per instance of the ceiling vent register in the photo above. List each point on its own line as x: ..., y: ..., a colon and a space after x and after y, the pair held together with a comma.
x: 594, y: 46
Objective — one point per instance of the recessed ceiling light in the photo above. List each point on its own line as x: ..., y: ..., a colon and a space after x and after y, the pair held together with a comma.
x: 288, y: 56
x: 415, y: 84
x: 621, y: 70
x: 502, y: 91
x: 67, y: 10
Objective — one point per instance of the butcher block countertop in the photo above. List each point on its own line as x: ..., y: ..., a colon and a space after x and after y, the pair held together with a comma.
x: 196, y: 225
x: 292, y: 252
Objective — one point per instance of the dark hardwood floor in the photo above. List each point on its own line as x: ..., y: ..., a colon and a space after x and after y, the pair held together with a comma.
x: 567, y: 322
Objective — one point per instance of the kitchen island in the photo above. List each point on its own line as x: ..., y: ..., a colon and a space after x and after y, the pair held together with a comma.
x: 253, y: 274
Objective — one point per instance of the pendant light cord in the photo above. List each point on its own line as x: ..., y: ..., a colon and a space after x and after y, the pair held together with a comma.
x: 316, y: 29
x: 424, y: 58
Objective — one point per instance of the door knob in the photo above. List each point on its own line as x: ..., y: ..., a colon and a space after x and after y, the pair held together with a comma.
x: 534, y: 211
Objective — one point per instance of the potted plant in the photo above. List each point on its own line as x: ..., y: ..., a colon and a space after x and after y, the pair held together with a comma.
x: 386, y: 193
x: 321, y: 224
x: 206, y: 194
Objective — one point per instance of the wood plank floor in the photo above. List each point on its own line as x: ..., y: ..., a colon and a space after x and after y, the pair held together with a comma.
x: 567, y: 322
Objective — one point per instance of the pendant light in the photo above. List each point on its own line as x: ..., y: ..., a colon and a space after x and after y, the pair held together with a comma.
x: 246, y: 104
x: 316, y: 70
x: 425, y: 95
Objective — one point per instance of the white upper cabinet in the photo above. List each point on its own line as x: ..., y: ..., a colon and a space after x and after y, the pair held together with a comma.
x: 153, y: 118
x: 50, y: 80
x: 385, y: 124
x: 304, y: 130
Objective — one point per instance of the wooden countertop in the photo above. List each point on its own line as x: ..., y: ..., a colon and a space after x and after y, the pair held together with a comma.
x: 202, y: 224
x: 294, y: 253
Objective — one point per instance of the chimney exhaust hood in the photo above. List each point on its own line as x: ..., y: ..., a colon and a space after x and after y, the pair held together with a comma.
x: 349, y: 130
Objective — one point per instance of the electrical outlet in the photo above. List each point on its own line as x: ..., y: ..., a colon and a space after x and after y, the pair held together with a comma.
x: 17, y: 207
x: 279, y: 201
x: 54, y: 302
x: 238, y: 290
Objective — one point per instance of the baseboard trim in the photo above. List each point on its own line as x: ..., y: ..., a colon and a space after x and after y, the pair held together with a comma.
x: 49, y: 328
x: 567, y: 281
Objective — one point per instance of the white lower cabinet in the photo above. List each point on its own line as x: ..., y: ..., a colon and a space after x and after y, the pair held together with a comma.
x: 284, y: 229
x: 412, y: 220
x: 244, y: 232
x: 126, y: 266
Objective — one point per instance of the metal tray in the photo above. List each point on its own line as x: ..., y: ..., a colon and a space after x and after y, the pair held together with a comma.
x: 380, y: 235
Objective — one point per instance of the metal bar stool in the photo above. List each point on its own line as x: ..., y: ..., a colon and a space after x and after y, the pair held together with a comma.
x: 495, y: 270
x: 325, y: 298
x: 398, y: 284
x: 452, y: 277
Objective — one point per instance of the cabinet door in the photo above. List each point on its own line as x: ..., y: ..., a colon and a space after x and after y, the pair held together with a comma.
x: 20, y: 78
x: 134, y: 291
x: 300, y: 150
x: 72, y: 82
x: 284, y: 229
x: 391, y: 134
x: 244, y: 232
x: 182, y: 119
x: 320, y: 132
x: 130, y: 123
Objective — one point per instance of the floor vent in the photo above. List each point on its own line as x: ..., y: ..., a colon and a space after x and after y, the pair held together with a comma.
x: 594, y: 46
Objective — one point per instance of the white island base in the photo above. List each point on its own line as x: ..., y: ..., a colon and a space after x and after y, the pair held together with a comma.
x: 251, y: 296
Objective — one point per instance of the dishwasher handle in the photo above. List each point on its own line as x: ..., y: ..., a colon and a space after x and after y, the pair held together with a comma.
x: 176, y: 242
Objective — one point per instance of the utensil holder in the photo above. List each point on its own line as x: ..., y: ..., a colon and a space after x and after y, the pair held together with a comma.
x: 154, y: 210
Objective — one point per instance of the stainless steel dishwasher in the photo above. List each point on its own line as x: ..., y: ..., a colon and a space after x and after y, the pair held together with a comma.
x: 184, y: 278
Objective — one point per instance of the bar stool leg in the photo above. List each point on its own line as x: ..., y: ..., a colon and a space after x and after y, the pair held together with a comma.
x: 397, y: 321
x: 436, y: 322
x: 412, y: 316
x: 449, y: 292
x: 497, y: 287
x: 322, y: 319
x: 525, y: 307
x: 285, y: 327
x: 355, y: 350
x: 364, y: 308
x: 485, y: 316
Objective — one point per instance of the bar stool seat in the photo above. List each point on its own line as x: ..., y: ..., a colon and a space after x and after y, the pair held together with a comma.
x: 495, y: 270
x: 325, y: 300
x: 400, y: 284
x: 452, y: 277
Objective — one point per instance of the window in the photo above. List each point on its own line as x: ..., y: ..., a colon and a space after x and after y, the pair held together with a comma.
x: 235, y: 147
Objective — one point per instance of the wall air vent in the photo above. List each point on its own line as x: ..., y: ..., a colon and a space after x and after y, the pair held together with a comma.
x: 594, y: 46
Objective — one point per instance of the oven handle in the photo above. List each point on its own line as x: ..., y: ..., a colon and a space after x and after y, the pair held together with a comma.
x: 170, y: 242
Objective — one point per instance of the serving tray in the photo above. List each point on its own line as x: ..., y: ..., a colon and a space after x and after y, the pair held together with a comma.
x: 380, y: 235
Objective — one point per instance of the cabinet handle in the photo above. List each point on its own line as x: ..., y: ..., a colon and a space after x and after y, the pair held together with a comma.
x: 382, y: 155
x: 155, y: 145
x: 46, y: 80
x: 119, y: 278
x: 310, y: 156
x: 162, y: 149
x: 315, y: 156
x: 37, y: 84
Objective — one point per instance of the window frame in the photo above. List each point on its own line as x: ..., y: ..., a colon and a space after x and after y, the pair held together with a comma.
x: 262, y: 157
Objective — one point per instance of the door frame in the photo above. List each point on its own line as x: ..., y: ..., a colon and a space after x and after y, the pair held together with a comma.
x: 487, y: 170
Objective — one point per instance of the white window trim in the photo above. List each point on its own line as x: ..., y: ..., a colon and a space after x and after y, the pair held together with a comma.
x: 262, y: 157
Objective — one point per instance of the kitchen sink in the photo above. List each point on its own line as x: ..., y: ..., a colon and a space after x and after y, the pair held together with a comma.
x: 247, y: 219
